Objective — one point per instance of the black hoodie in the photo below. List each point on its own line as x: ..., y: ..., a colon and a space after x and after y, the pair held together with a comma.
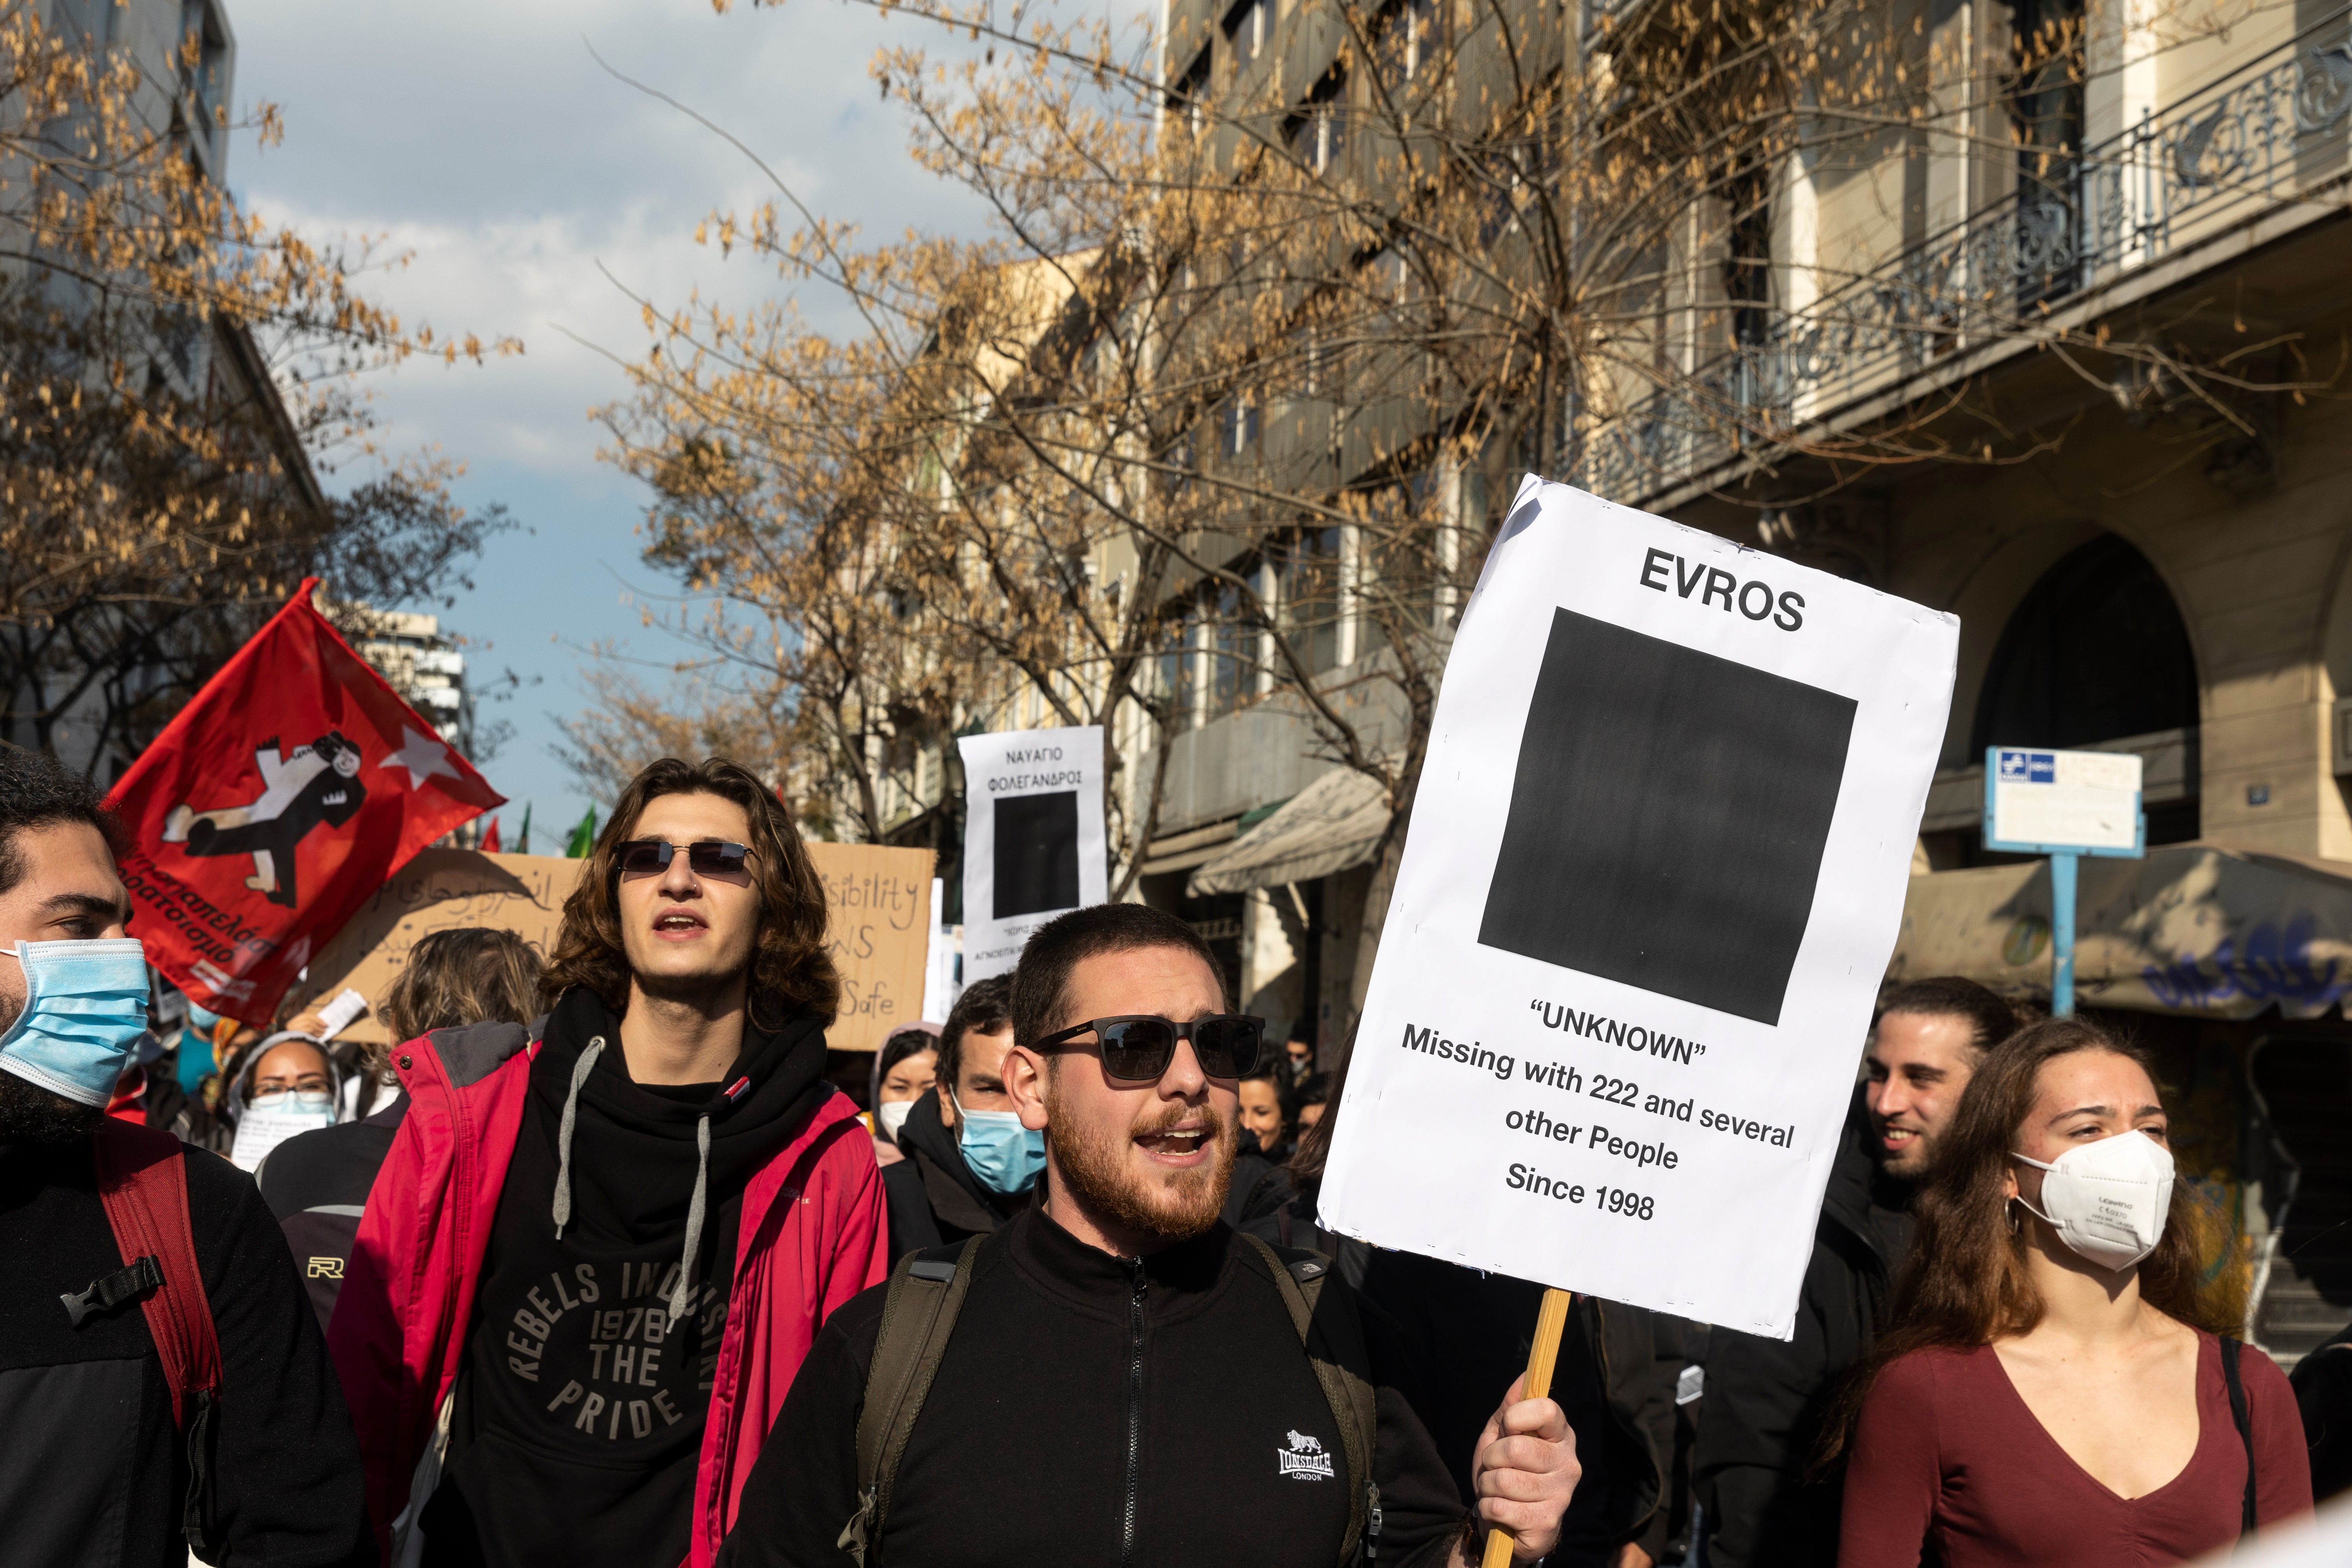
x: 581, y: 1403
x: 1766, y: 1398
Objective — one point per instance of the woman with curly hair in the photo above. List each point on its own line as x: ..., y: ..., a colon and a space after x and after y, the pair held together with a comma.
x: 2056, y: 1386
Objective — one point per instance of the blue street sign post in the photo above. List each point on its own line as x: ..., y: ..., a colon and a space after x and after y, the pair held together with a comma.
x: 2064, y: 805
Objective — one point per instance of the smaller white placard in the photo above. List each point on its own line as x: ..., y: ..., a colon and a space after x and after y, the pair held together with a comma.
x: 1033, y: 844
x: 2041, y: 800
x: 940, y: 987
x: 337, y: 1014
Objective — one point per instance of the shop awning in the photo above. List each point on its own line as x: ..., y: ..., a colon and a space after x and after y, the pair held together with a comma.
x: 1333, y: 825
x: 2203, y: 928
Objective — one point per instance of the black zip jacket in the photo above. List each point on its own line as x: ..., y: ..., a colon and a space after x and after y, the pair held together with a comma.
x: 932, y: 1195
x: 1100, y: 1410
x: 93, y: 1474
x: 317, y: 1184
x: 1766, y: 1398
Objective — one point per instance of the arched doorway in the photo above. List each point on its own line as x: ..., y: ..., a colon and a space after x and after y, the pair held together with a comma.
x: 2096, y: 651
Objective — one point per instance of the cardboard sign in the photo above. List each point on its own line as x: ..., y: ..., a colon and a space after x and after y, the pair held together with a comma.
x: 439, y: 890
x: 1655, y: 867
x: 1033, y: 841
x: 877, y: 927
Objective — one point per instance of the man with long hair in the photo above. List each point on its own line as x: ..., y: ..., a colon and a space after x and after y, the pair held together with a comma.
x: 597, y: 1252
x: 1116, y: 1374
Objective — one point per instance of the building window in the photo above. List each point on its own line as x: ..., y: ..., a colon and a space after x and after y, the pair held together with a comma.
x: 1408, y: 43
x: 1174, y: 684
x: 1318, y: 129
x: 1188, y: 96
x: 1232, y: 673
x: 1249, y: 27
x: 1237, y: 429
x: 204, y: 62
x: 1308, y: 573
x: 2096, y: 651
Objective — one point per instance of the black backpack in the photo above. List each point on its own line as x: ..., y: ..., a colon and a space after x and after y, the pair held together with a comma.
x: 926, y: 1293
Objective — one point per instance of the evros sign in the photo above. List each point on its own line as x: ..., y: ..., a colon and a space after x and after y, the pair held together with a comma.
x: 1655, y: 869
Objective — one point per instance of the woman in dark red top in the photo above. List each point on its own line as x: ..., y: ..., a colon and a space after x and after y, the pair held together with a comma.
x: 2052, y: 1389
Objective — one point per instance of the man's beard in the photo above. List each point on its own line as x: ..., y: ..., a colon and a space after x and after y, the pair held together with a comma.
x: 1187, y: 1202
x: 32, y: 1117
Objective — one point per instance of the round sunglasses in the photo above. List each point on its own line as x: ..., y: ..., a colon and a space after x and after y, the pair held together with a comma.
x: 1138, y: 1046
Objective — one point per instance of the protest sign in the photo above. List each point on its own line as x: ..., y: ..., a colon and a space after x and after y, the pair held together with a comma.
x: 1034, y: 845
x: 877, y: 919
x: 879, y: 930
x: 439, y: 890
x: 1655, y: 869
x: 940, y: 988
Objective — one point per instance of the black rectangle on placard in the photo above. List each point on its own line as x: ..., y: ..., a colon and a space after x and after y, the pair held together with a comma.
x: 1036, y: 854
x: 1668, y: 818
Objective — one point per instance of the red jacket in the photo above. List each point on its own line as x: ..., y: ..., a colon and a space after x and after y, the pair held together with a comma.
x: 399, y: 1328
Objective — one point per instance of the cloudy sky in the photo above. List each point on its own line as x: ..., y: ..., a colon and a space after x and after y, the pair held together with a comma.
x: 486, y: 139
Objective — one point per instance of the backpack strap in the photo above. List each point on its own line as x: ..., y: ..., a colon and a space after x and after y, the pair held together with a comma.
x: 918, y: 1313
x: 2236, y: 1384
x: 142, y: 1182
x: 1333, y: 1339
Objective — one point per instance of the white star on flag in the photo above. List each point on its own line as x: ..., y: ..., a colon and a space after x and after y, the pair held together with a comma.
x: 421, y: 755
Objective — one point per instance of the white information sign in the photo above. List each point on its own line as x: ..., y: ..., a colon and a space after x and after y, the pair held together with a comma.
x: 940, y: 987
x: 1655, y: 869
x: 2038, y: 801
x: 1034, y: 845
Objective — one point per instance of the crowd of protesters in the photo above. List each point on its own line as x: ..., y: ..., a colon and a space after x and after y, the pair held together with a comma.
x: 593, y: 1264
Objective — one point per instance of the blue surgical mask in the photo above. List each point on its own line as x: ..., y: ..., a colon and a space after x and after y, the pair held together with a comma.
x: 85, y: 1009
x: 1004, y: 1155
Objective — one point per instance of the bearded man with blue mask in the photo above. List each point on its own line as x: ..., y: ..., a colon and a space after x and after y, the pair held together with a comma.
x: 273, y: 1459
x: 969, y: 1165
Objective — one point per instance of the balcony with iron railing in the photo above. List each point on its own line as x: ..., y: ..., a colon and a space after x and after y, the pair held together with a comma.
x: 2269, y: 137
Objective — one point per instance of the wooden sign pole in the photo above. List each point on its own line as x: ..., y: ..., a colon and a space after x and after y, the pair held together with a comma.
x: 1551, y: 1319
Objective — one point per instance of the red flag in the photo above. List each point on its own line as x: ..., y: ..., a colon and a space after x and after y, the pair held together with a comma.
x: 490, y: 838
x: 274, y: 805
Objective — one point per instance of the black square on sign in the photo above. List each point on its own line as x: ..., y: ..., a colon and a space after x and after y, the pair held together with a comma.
x: 1667, y: 819
x: 1036, y: 854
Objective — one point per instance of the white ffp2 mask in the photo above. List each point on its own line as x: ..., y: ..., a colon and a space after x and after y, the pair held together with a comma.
x: 2109, y: 1200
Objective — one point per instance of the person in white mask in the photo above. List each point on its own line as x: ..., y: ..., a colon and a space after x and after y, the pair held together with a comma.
x: 289, y: 1086
x: 2057, y: 1385
x: 96, y: 1467
x: 904, y: 1071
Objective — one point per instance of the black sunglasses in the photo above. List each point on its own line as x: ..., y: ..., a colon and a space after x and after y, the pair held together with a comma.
x: 709, y: 856
x: 1137, y: 1048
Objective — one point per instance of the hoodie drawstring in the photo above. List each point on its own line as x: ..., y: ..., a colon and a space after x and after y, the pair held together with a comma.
x: 561, y: 1207
x: 679, y: 1298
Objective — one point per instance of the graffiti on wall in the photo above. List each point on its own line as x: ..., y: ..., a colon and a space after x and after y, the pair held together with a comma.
x: 2273, y: 964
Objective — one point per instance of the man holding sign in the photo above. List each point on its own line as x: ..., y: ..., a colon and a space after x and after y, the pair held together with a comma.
x: 1149, y: 1387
